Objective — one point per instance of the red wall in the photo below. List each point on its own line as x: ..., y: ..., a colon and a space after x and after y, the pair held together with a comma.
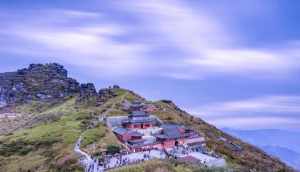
x: 169, y: 143
x: 140, y: 126
x: 124, y: 137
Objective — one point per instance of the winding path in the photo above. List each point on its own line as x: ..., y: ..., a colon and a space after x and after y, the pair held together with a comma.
x: 86, y: 161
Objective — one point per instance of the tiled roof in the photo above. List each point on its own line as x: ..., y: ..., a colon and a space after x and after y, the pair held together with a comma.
x: 138, y: 114
x: 120, y: 130
x: 139, y: 141
x: 171, y: 126
x: 134, y: 133
x: 171, y: 131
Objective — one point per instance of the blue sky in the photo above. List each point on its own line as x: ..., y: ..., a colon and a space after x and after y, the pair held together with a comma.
x: 236, y: 64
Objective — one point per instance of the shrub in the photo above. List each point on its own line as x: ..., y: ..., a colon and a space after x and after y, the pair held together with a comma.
x: 113, y: 149
x: 18, y: 147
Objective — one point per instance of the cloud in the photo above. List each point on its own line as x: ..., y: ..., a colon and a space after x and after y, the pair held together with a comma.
x: 167, y: 38
x: 92, y: 46
x: 260, y: 112
x: 267, y: 104
x: 208, y: 45
x: 243, y: 60
x: 180, y: 76
x: 75, y: 13
x: 177, y: 23
x: 250, y: 123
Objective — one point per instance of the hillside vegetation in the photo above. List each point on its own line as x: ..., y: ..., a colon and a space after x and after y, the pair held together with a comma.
x: 48, y: 146
x: 42, y: 135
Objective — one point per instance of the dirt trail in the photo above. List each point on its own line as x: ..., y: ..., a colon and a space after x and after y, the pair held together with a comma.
x: 112, y: 107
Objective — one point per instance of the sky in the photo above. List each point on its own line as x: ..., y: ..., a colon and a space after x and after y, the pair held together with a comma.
x: 235, y: 64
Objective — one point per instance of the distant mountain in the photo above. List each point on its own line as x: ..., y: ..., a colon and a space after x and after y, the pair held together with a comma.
x: 291, y: 157
x: 282, y: 144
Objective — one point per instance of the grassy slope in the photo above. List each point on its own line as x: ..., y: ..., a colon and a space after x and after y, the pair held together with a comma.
x: 49, y: 146
x: 47, y: 142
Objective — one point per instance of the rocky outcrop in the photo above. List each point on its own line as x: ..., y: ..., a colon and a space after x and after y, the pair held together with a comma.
x: 88, y: 90
x: 37, y: 82
x: 47, y: 82
x: 88, y: 94
x: 105, y: 94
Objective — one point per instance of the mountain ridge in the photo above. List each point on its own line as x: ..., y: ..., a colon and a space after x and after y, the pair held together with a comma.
x: 274, y: 141
x: 291, y: 157
x: 68, y: 108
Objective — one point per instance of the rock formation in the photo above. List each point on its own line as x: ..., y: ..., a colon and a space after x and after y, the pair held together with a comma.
x: 37, y: 82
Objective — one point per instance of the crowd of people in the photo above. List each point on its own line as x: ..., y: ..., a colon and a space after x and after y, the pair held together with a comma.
x: 105, y: 162
x: 180, y: 151
x: 99, y: 164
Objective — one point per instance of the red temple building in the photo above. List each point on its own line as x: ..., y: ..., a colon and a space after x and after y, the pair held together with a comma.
x: 163, y: 136
x: 139, y: 120
x: 125, y: 135
x: 172, y: 135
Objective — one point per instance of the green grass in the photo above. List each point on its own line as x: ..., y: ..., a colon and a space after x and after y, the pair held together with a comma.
x: 130, y: 97
x: 148, y: 166
x: 65, y: 107
x: 52, y: 142
x: 93, y: 135
x: 116, y: 113
x: 18, y: 164
x: 120, y: 92
x: 65, y: 130
x: 48, y: 141
x: 33, y: 107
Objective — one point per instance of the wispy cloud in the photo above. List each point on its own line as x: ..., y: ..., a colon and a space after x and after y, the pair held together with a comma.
x: 263, y: 112
x: 167, y: 38
x: 273, y: 104
x: 207, y: 43
x: 161, y: 39
x: 91, y: 46
x: 252, y: 123
x: 243, y: 60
